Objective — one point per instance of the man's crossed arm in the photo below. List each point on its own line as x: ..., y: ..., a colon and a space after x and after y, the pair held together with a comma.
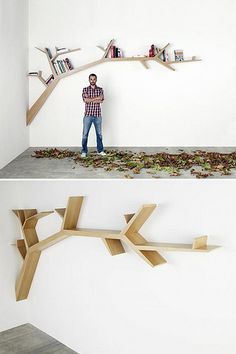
x: 98, y: 99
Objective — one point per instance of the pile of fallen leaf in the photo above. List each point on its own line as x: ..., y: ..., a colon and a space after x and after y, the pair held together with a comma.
x: 201, y: 164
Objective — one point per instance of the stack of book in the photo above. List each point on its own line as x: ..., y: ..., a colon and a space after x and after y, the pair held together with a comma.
x: 155, y: 50
x: 62, y: 66
x: 179, y: 55
x: 115, y: 52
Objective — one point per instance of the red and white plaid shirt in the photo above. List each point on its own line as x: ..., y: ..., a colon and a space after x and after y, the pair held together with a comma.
x: 92, y: 108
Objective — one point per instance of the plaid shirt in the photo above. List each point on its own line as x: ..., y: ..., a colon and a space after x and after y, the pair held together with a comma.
x: 92, y: 108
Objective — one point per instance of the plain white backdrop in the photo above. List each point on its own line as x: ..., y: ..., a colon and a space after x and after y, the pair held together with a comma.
x: 94, y: 302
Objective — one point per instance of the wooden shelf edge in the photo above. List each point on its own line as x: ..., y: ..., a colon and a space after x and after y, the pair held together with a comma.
x: 32, y: 220
x: 100, y: 233
x: 114, y: 246
x: 63, y: 53
x: 175, y: 247
x: 153, y: 258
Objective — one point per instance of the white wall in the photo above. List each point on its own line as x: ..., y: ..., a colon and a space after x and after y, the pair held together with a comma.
x: 100, y: 304
x: 193, y: 106
x: 12, y: 313
x: 14, y: 136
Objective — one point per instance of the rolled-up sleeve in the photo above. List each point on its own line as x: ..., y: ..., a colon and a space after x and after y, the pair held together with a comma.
x: 102, y: 94
x: 84, y: 94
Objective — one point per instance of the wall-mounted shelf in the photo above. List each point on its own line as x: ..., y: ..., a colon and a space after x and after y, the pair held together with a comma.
x: 34, y: 109
x: 30, y: 247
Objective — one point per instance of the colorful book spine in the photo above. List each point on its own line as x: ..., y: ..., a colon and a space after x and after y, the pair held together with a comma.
x: 113, y: 51
x: 152, y: 51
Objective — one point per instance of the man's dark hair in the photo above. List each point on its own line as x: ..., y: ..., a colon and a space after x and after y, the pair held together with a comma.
x: 93, y: 75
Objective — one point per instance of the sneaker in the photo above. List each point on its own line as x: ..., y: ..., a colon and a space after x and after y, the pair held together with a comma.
x: 102, y: 153
x: 83, y: 154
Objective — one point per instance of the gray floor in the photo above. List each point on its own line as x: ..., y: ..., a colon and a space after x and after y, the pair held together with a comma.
x: 25, y: 166
x: 27, y: 339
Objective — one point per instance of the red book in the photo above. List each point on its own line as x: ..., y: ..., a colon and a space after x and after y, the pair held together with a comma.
x: 113, y: 51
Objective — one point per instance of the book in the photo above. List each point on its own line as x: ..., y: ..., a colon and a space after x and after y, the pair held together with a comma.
x: 56, y: 67
x: 66, y: 65
x: 34, y: 73
x: 119, y: 53
x: 179, y: 55
x: 59, y: 63
x: 152, y: 51
x: 164, y: 55
x: 50, y: 78
x: 63, y: 66
x: 49, y: 52
x: 61, y: 49
x: 113, y: 51
x: 69, y: 64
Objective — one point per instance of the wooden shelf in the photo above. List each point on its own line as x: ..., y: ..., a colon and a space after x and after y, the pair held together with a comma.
x: 28, y: 219
x: 63, y: 53
x: 33, y: 111
x: 174, y: 247
x: 113, y: 234
x: 30, y: 247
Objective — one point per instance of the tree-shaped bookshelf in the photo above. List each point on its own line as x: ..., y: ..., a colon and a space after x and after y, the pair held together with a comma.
x: 30, y: 247
x: 34, y: 109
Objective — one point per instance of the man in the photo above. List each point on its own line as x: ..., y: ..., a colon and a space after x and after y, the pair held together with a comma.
x: 93, y: 97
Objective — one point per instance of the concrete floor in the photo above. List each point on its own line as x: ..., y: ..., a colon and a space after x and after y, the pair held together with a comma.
x: 25, y: 166
x: 27, y: 339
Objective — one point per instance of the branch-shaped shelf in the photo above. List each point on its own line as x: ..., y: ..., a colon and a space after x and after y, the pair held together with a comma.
x: 33, y: 111
x: 30, y: 247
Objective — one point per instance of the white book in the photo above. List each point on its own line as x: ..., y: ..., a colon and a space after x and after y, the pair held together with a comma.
x: 56, y: 66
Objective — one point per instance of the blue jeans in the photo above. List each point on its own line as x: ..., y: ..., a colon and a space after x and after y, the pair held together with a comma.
x: 87, y: 122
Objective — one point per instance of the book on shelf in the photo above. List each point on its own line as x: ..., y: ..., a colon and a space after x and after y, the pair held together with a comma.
x: 58, y: 50
x: 165, y: 55
x: 115, y: 52
x: 56, y: 67
x: 69, y: 64
x: 34, y: 73
x: 49, y: 79
x: 49, y: 52
x: 120, y: 54
x: 61, y: 66
x: 152, y: 51
x: 179, y: 55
